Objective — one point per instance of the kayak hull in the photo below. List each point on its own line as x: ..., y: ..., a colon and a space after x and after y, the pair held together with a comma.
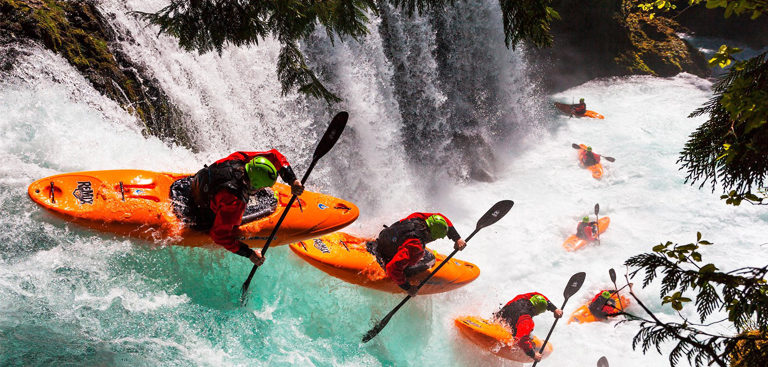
x: 573, y: 243
x: 583, y: 315
x: 137, y: 203
x: 496, y: 338
x: 595, y: 169
x: 345, y: 256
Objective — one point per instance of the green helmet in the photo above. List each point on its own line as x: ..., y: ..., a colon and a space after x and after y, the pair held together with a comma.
x: 261, y: 172
x: 539, y: 303
x: 589, y: 149
x: 585, y: 219
x: 605, y: 294
x: 438, y: 226
x: 581, y: 100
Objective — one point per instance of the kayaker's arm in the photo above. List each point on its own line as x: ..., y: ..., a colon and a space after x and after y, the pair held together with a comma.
x: 523, y: 330
x: 228, y: 210
x: 409, y: 254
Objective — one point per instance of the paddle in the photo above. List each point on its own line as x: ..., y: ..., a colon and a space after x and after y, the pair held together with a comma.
x: 327, y: 142
x: 602, y: 362
x: 574, y: 284
x: 609, y: 159
x: 612, y: 274
x: 492, y: 216
x: 597, y: 222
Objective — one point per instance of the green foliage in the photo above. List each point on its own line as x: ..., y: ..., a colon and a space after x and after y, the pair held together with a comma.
x: 527, y: 20
x: 209, y: 25
x: 742, y: 293
x: 732, y: 146
x: 735, y: 199
x: 755, y: 8
x: 722, y: 57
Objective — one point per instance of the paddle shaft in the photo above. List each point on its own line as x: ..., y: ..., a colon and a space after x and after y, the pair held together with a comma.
x: 597, y: 222
x: 279, y: 222
x: 543, y: 345
x: 612, y: 274
x: 609, y: 159
x: 574, y: 284
x: 327, y: 141
x: 385, y: 320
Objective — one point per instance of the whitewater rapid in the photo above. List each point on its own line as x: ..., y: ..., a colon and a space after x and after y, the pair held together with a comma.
x: 69, y: 295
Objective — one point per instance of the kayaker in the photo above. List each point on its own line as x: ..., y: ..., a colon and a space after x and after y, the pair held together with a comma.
x: 399, y: 248
x: 586, y: 230
x: 579, y: 109
x: 518, y: 315
x: 220, y: 194
x: 588, y: 158
x: 603, y: 305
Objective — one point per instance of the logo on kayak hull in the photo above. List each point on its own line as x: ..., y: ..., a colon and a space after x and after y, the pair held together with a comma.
x: 84, y: 192
x: 320, y: 245
x: 322, y: 206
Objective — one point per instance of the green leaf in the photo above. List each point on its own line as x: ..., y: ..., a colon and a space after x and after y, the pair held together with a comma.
x: 686, y: 248
x: 659, y: 248
x: 696, y: 256
x: 698, y: 236
x: 709, y: 268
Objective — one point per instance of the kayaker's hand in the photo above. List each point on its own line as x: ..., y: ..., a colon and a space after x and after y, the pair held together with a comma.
x: 297, y: 188
x: 537, y: 356
x: 256, y: 258
x: 460, y: 244
x: 558, y: 313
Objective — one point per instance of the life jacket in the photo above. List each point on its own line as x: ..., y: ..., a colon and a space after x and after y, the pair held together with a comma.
x: 512, y: 311
x: 579, y: 109
x: 390, y: 238
x: 597, y: 304
x: 588, y: 158
x: 228, y: 175
x: 581, y: 232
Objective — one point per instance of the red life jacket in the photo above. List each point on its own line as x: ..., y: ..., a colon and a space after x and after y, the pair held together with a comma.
x: 601, y: 307
x: 587, y: 231
x: 579, y: 109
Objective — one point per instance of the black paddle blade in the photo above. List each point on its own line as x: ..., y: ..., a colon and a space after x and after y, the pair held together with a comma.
x: 597, y: 209
x: 331, y: 135
x: 574, y: 284
x: 496, y: 212
x: 602, y: 362
x: 575, y: 146
x: 612, y: 273
x: 376, y: 329
x: 610, y: 159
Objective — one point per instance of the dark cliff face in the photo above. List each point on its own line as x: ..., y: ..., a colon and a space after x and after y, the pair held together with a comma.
x: 613, y: 38
x: 80, y: 33
x: 704, y: 22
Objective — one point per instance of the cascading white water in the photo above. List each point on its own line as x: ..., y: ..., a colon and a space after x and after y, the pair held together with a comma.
x: 88, y: 298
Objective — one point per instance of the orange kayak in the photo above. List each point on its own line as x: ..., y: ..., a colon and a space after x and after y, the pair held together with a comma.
x: 345, y: 256
x: 573, y: 243
x: 596, y: 169
x: 583, y: 315
x: 566, y: 109
x: 138, y: 203
x: 496, y: 338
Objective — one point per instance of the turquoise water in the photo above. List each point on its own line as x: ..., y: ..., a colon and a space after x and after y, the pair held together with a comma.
x: 71, y: 296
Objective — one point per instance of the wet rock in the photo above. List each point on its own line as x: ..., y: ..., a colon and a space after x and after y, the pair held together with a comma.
x: 613, y: 38
x: 82, y: 35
